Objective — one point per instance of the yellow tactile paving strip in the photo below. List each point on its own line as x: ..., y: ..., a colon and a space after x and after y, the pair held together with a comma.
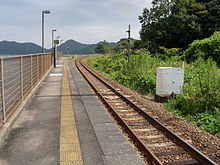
x: 70, y: 153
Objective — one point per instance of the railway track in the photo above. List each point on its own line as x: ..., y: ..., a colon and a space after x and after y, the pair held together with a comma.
x: 158, y: 143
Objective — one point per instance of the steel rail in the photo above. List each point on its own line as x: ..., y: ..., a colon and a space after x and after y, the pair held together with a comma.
x: 196, y: 154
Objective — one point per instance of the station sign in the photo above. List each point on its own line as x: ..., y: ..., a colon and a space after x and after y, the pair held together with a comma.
x: 56, y: 42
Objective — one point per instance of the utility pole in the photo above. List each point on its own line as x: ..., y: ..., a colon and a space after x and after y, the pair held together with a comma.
x: 129, y: 40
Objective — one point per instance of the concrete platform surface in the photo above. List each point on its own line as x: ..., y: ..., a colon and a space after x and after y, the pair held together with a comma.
x: 34, y: 137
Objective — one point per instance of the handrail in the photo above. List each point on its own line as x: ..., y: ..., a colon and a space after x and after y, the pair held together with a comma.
x: 28, y: 55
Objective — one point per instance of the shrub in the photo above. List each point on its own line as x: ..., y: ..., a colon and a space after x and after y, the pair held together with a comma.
x: 208, y: 47
x: 207, y: 120
x: 166, y: 53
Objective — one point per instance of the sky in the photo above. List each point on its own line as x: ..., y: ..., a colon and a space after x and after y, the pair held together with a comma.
x: 86, y: 21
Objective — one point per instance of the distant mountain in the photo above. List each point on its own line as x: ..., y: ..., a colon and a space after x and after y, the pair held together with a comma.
x: 73, y: 47
x: 12, y: 48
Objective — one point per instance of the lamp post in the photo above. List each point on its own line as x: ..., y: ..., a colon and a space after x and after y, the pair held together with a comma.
x: 53, y: 46
x: 43, y: 12
x: 55, y: 50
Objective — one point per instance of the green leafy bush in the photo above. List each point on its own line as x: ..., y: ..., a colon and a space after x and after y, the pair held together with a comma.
x: 201, y: 88
x: 205, y: 48
x: 208, y: 120
x: 166, y: 53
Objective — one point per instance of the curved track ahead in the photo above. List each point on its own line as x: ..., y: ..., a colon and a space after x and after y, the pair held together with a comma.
x: 157, y: 143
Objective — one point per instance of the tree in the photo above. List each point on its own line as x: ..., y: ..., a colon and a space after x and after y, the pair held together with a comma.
x: 122, y: 45
x: 103, y: 47
x: 176, y: 23
x: 209, y: 17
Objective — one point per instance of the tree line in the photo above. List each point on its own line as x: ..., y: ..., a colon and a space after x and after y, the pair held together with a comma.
x: 176, y: 23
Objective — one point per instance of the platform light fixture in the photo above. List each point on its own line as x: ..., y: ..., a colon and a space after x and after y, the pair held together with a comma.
x: 43, y: 12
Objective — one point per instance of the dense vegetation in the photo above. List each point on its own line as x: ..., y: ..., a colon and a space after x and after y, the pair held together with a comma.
x: 176, y: 23
x: 102, y: 47
x: 200, y: 101
x: 206, y: 48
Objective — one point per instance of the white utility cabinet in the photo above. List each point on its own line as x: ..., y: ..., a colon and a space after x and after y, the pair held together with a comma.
x: 169, y: 80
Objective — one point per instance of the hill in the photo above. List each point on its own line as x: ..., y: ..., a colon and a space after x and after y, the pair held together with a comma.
x: 75, y: 47
x: 12, y: 48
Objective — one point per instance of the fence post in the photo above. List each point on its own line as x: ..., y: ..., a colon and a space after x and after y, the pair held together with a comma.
x: 21, y: 78
x: 42, y: 65
x: 43, y: 58
x: 37, y: 68
x: 3, y: 91
x: 31, y: 74
x: 48, y: 61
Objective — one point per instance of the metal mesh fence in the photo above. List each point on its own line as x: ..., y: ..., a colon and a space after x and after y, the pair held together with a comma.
x: 18, y: 76
x: 12, y: 83
x: 26, y: 66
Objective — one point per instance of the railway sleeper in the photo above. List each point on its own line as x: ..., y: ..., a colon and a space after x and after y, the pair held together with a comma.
x: 111, y: 97
x: 139, y: 124
x: 155, y: 136
x: 134, y: 119
x: 147, y: 129
x: 189, y: 162
x: 154, y: 145
x: 130, y: 114
x: 124, y: 110
x: 170, y: 153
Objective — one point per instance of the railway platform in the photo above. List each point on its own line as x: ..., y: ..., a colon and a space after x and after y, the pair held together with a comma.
x: 65, y: 123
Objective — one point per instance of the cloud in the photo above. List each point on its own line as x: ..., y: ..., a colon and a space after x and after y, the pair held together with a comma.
x: 87, y: 21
